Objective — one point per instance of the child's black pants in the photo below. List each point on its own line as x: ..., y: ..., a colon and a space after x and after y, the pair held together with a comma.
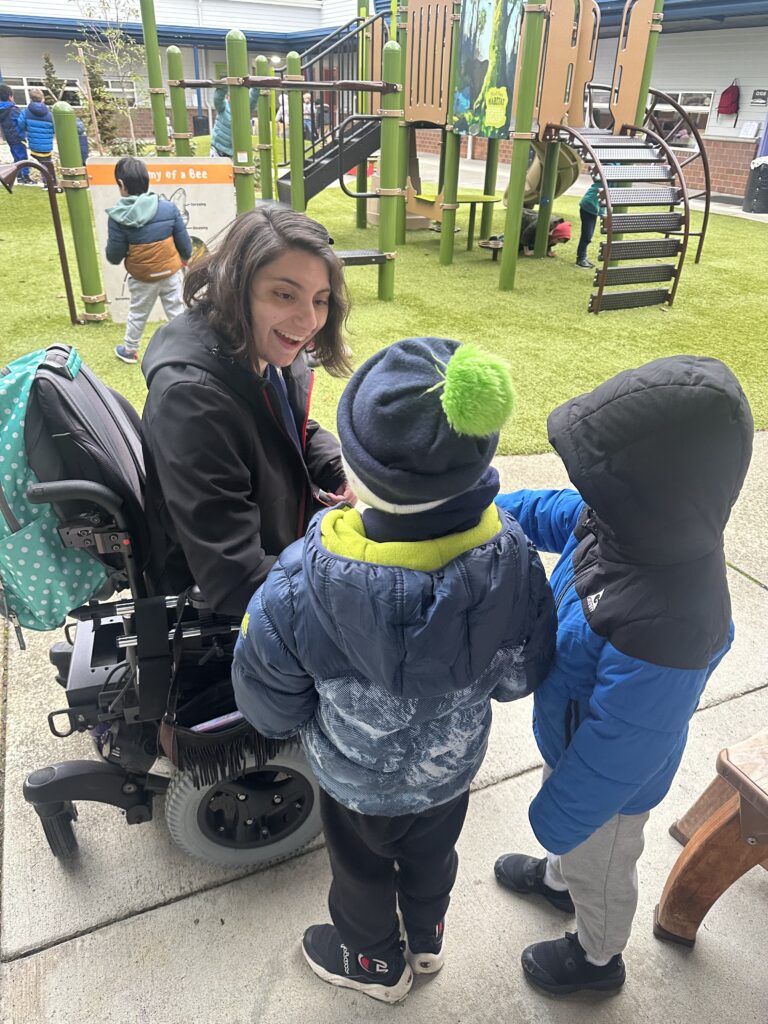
x: 364, y: 850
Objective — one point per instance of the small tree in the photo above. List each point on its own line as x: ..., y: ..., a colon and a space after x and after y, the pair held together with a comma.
x: 54, y: 87
x: 105, y: 50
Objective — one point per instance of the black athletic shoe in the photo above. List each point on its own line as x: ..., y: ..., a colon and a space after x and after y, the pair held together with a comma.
x: 388, y: 980
x: 525, y: 875
x: 560, y: 967
x: 585, y: 264
x: 425, y: 951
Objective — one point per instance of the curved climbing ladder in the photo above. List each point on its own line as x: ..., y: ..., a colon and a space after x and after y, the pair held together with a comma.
x: 643, y: 190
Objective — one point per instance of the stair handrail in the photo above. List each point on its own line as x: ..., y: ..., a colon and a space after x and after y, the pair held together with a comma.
x: 699, y: 153
x: 562, y: 133
x: 319, y: 51
x: 634, y: 129
x: 342, y: 129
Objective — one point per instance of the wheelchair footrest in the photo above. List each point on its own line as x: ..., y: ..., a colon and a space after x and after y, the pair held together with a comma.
x: 100, y: 781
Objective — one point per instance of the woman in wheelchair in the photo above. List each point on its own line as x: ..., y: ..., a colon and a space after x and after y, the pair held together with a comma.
x: 235, y: 466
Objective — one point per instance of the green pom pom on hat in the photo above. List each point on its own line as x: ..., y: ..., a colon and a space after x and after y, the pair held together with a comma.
x: 477, y: 396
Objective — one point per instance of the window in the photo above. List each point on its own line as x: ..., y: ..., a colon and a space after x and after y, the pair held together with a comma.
x: 697, y: 106
x: 21, y: 86
x: 123, y: 89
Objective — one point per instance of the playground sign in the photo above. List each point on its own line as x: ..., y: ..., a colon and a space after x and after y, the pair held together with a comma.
x: 485, y: 79
x: 201, y: 188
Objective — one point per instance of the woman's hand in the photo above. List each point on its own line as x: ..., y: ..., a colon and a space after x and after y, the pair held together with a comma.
x: 346, y: 496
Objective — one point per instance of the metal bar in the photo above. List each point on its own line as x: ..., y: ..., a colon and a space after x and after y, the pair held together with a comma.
x: 533, y: 26
x: 178, y: 101
x: 155, y: 76
x: 388, y: 172
x: 296, y: 131
x: 489, y: 187
x: 548, y: 181
x: 239, y: 104
x: 264, y: 120
x: 650, y: 55
x: 451, y: 162
x: 187, y: 632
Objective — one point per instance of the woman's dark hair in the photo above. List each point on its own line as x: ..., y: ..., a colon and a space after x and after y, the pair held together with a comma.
x: 134, y: 175
x: 218, y: 283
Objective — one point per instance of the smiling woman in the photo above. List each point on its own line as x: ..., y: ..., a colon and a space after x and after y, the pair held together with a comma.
x: 235, y: 466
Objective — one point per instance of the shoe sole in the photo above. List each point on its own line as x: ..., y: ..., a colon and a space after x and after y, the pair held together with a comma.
x: 383, y: 993
x: 425, y: 963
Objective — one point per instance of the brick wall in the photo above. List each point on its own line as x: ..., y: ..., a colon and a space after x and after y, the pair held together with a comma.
x: 728, y: 166
x: 728, y: 160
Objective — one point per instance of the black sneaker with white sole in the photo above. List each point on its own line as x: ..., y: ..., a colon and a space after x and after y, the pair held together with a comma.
x: 387, y: 978
x: 425, y: 950
x: 525, y: 875
x: 561, y: 967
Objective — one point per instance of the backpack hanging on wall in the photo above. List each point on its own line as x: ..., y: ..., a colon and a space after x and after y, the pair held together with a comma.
x: 729, y: 102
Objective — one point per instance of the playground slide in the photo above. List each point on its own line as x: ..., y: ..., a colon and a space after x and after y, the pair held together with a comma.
x: 568, y: 170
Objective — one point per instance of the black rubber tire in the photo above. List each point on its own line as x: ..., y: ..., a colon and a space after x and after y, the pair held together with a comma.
x: 183, y: 808
x: 60, y: 833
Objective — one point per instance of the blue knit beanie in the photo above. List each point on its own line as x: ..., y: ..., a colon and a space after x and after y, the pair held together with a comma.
x: 419, y: 422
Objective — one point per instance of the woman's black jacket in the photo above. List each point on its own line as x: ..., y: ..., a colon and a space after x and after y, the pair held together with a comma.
x: 227, y: 487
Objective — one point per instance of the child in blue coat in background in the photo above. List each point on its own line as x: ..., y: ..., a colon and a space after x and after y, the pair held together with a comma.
x: 381, y: 638
x: 9, y: 125
x: 658, y: 456
x: 589, y: 210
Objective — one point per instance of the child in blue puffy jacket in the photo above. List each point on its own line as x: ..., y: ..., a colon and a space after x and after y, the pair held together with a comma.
x: 9, y: 126
x: 36, y: 123
x: 381, y: 638
x: 658, y: 456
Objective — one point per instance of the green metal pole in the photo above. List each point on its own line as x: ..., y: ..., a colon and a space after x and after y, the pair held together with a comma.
x: 240, y: 107
x: 402, y: 38
x: 546, y: 196
x: 364, y: 106
x: 79, y: 207
x: 264, y: 115
x: 392, y: 113
x: 296, y: 133
x: 533, y: 27
x: 273, y: 133
x: 489, y: 188
x: 451, y: 155
x: 650, y: 56
x: 181, y: 136
x: 155, y: 76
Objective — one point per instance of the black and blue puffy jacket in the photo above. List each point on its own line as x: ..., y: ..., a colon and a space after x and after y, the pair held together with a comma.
x: 658, y: 455
x: 385, y: 656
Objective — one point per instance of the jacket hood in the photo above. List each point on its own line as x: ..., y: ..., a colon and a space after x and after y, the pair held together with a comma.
x: 421, y: 633
x: 660, y: 454
x: 5, y: 104
x: 135, y: 211
x: 40, y: 110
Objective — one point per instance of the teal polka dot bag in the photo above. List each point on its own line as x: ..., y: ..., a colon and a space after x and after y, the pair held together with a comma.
x: 41, y: 580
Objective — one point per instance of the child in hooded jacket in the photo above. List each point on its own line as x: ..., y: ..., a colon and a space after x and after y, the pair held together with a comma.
x: 36, y: 123
x: 9, y: 126
x: 150, y: 235
x: 658, y: 456
x: 381, y: 639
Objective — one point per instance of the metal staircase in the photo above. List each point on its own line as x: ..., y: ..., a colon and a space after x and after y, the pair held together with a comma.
x: 644, y: 194
x: 334, y: 58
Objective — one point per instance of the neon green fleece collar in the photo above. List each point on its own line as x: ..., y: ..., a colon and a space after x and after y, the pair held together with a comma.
x: 343, y: 533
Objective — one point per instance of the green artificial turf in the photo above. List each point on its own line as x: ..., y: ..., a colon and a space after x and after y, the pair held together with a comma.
x: 555, y: 349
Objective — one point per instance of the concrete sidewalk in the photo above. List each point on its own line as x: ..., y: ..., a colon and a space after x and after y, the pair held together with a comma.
x: 135, y: 932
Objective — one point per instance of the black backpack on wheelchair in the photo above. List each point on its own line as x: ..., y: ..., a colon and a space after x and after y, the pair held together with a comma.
x: 147, y: 675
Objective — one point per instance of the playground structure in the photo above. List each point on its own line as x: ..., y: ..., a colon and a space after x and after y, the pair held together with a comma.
x: 371, y: 93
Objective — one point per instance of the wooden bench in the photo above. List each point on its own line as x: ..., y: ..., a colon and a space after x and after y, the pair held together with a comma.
x: 725, y: 834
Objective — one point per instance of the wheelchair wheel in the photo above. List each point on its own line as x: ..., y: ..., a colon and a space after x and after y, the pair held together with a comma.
x: 262, y: 816
x: 59, y: 832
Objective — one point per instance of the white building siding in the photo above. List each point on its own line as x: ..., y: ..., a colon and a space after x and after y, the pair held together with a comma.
x: 694, y: 61
x: 338, y: 12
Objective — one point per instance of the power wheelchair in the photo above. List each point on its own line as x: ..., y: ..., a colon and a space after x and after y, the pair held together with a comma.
x: 147, y: 675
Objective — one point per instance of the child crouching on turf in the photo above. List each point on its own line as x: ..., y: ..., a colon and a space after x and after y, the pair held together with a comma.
x: 658, y: 456
x: 382, y: 638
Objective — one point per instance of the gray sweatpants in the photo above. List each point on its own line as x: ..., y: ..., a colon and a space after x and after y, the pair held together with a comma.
x: 601, y: 876
x: 144, y: 294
